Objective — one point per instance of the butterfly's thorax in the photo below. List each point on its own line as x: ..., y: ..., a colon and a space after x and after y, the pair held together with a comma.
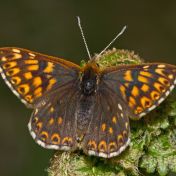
x: 89, y: 80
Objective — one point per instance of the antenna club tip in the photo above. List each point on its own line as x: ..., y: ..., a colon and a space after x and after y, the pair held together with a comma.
x: 124, y: 28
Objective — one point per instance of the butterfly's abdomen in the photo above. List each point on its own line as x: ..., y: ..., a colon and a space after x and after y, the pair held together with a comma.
x: 84, y: 114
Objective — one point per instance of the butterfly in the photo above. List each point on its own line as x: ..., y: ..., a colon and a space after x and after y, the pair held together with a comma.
x: 87, y: 107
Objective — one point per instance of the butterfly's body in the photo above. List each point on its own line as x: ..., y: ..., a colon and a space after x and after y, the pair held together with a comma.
x: 84, y: 107
x: 89, y: 79
x: 83, y: 115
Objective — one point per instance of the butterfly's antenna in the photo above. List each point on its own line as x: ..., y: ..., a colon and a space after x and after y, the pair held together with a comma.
x: 79, y: 24
x: 117, y: 36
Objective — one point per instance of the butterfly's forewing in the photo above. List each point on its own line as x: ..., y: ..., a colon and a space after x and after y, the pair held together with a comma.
x: 141, y: 87
x: 32, y: 75
x: 108, y: 131
x: 49, y: 85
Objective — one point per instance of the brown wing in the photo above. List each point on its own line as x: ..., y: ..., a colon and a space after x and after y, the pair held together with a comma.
x: 141, y: 87
x: 108, y: 131
x: 49, y: 85
x: 32, y: 75
x: 54, y: 125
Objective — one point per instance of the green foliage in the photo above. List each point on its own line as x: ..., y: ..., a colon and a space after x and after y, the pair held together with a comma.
x: 116, y: 57
x: 153, y: 140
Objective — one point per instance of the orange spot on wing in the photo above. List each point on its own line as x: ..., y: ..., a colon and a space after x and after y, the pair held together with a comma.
x: 55, y: 138
x: 31, y: 61
x: 13, y: 72
x: 138, y: 110
x: 102, y: 147
x: 110, y: 130
x: 122, y: 90
x: 16, y: 80
x: 9, y: 65
x: 49, y: 67
x: 32, y: 67
x: 44, y: 135
x: 51, y: 109
x: 125, y: 134
x: 67, y: 140
x: 142, y: 79
x: 3, y: 59
x: 126, y: 84
x: 146, y: 102
x: 145, y: 73
x: 145, y: 88
x: 135, y: 91
x: 160, y: 71
x: 103, y: 127
x: 51, y: 83
x: 120, y: 139
x: 37, y: 81
x: 51, y: 121
x: 28, y: 75
x: 28, y: 98
x: 23, y: 89
x: 114, y: 119
x: 112, y: 146
x: 159, y: 87
x: 128, y: 76
x: 60, y: 120
x: 155, y: 95
x: 170, y: 76
x: 16, y: 56
x: 38, y: 92
x: 164, y: 81
x: 131, y: 102
x: 92, y: 145
x: 35, y: 120
x: 39, y: 126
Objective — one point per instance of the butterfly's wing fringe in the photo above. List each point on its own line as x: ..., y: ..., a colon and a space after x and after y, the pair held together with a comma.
x: 152, y: 147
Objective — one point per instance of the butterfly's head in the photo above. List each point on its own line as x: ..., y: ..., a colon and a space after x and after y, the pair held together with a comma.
x: 89, y: 78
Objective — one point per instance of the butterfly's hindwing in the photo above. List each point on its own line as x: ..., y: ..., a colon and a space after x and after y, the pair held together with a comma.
x: 142, y: 87
x: 54, y: 125
x: 108, y: 131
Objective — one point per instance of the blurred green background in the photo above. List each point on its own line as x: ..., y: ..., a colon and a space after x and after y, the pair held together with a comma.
x: 50, y: 27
